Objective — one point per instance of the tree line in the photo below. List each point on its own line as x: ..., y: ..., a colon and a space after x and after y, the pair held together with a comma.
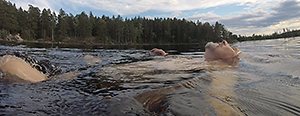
x: 35, y: 24
x: 286, y: 33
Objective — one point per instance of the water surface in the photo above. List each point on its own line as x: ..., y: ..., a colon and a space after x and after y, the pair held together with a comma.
x: 130, y: 82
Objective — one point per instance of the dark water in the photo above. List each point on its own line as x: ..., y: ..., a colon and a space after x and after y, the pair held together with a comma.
x: 130, y: 82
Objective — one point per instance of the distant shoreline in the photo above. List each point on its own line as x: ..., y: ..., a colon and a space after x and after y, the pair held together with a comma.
x: 48, y: 44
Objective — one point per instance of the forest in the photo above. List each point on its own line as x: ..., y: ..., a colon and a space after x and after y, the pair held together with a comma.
x: 285, y: 34
x: 45, y: 25
x: 35, y: 25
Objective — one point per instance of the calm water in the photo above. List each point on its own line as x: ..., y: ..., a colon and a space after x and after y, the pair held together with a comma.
x: 130, y: 82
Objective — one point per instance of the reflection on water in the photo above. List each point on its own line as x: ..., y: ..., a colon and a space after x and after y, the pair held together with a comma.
x: 130, y: 82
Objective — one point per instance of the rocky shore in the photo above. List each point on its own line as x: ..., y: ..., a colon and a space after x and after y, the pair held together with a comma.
x: 14, y: 38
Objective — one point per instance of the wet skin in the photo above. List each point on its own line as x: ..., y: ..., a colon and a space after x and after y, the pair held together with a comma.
x: 221, y: 51
x: 157, y: 52
x: 18, y: 67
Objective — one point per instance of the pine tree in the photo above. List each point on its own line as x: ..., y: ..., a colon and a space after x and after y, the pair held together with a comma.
x: 22, y: 18
x: 84, y: 27
x: 33, y: 21
x: 100, y: 29
x: 45, y: 24
x: 53, y: 25
x: 62, y: 25
x: 70, y: 19
x: 8, y: 17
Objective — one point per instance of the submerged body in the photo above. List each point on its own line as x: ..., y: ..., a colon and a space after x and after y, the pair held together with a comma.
x: 265, y: 83
x: 169, y: 68
x: 31, y: 70
x: 174, y: 68
x: 167, y: 96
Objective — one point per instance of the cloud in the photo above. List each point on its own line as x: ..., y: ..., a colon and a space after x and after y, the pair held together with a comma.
x: 131, y: 7
x: 206, y: 17
x: 286, y: 10
x: 260, y: 19
x: 41, y: 4
x: 176, y: 14
x: 290, y: 24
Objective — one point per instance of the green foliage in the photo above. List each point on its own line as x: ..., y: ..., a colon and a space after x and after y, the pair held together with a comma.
x: 8, y: 20
x: 45, y: 24
x: 35, y: 24
x: 33, y: 21
x: 62, y: 25
x: 3, y: 34
x: 285, y: 34
x: 84, y: 26
x: 26, y: 34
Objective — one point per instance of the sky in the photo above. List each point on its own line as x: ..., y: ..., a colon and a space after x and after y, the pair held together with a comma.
x: 242, y: 17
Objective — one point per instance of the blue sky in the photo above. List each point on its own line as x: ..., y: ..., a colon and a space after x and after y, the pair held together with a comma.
x: 242, y: 17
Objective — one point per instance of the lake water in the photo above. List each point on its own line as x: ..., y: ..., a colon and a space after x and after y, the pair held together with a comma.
x: 130, y: 82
